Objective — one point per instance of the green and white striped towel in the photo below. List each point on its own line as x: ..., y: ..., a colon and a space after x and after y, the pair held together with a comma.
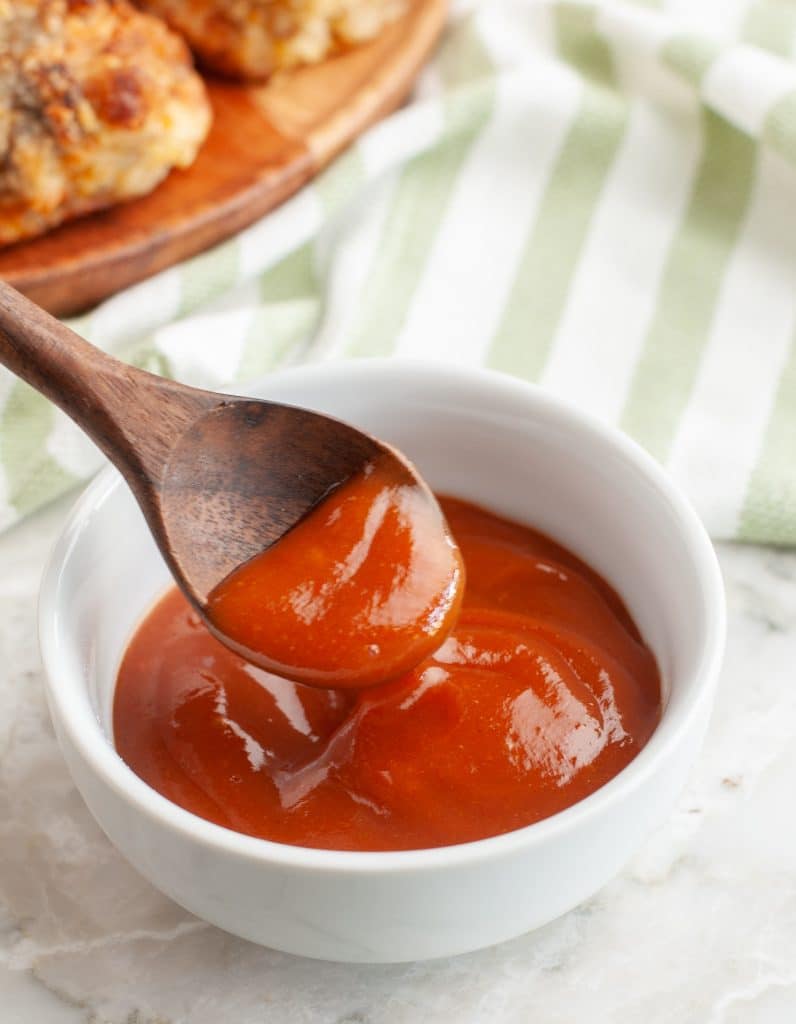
x: 601, y: 198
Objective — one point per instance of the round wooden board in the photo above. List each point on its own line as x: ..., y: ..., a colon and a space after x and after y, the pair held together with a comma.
x: 265, y: 143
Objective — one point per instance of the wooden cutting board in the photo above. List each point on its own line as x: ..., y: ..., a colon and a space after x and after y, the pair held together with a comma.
x: 266, y: 142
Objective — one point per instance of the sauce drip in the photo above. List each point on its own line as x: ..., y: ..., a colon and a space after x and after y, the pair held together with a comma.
x: 541, y: 694
x: 359, y: 591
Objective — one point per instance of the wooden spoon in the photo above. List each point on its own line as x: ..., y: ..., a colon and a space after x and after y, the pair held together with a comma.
x: 218, y: 478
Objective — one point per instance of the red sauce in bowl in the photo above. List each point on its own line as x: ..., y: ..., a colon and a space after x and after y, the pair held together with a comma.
x: 543, y: 691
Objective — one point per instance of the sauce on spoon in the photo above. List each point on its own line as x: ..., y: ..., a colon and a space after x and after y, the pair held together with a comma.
x: 362, y: 589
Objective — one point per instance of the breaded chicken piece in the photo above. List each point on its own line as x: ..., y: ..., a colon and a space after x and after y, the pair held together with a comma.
x: 97, y: 103
x: 254, y: 38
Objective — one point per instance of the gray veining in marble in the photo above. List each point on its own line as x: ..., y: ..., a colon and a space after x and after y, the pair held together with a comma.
x: 700, y: 928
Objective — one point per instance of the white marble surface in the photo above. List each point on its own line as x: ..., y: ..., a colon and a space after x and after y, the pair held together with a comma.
x: 701, y: 927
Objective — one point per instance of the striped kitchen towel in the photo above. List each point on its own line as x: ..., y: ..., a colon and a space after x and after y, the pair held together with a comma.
x: 598, y: 197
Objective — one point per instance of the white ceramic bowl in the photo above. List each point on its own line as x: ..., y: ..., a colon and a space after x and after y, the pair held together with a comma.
x: 483, y: 437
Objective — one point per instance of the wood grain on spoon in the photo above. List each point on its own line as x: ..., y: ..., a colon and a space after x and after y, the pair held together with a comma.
x: 219, y: 479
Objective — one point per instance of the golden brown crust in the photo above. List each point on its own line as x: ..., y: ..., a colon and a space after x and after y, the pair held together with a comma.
x: 97, y: 103
x: 254, y: 38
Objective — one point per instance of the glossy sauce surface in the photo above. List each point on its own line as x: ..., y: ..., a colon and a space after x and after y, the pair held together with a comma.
x: 541, y: 694
x: 361, y: 590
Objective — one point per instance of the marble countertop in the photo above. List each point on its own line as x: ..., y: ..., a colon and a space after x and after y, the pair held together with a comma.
x: 701, y: 926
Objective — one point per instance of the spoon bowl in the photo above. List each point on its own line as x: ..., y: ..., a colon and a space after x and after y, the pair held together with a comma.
x: 242, y: 475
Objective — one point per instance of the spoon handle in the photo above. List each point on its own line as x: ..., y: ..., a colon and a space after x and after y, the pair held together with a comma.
x: 131, y: 415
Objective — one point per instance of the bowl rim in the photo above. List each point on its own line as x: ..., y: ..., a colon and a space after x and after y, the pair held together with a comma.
x: 85, y: 732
